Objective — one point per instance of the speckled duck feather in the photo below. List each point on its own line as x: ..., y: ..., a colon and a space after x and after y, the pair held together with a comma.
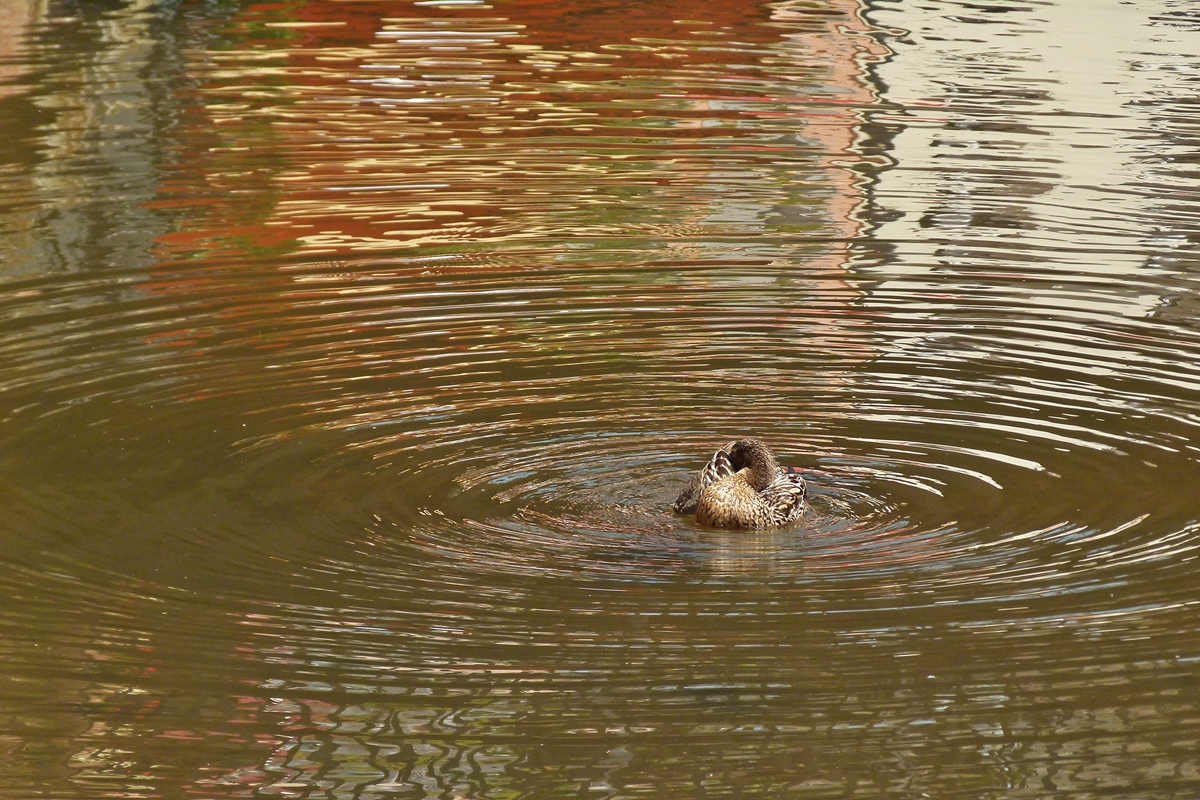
x: 743, y: 486
x: 718, y: 467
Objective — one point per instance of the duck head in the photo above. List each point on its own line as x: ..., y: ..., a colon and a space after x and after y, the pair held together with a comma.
x: 753, y: 454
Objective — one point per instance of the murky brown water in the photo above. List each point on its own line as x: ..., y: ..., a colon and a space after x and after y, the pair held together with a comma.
x: 353, y: 353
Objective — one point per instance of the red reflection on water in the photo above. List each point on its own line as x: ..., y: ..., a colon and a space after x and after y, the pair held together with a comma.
x: 334, y: 129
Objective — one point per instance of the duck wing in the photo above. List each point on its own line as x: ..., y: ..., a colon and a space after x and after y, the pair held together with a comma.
x: 718, y: 467
x: 784, y: 497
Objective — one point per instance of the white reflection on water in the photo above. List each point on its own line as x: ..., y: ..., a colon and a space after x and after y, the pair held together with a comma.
x: 80, y: 205
x: 1025, y: 125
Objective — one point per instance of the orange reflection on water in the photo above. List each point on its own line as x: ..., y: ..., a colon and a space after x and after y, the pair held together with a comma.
x: 337, y: 128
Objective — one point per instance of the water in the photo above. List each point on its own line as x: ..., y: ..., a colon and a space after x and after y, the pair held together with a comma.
x: 353, y: 354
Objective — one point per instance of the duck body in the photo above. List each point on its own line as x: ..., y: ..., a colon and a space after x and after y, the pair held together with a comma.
x: 744, y: 487
x: 735, y: 503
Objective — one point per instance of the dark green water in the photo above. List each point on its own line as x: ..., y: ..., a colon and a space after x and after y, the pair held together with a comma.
x: 352, y: 354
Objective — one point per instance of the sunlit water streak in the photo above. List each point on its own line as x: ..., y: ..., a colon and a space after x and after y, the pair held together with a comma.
x: 354, y: 353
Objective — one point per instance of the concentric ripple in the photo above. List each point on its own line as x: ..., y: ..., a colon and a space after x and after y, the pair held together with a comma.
x: 353, y: 355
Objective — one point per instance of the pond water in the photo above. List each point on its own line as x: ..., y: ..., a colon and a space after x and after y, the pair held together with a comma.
x: 353, y: 353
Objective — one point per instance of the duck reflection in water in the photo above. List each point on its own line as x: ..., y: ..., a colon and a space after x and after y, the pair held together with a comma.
x: 743, y: 486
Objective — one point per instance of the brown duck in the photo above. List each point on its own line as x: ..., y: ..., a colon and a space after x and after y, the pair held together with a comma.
x: 743, y: 486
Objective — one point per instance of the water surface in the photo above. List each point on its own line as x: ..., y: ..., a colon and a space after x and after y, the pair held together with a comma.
x: 353, y: 353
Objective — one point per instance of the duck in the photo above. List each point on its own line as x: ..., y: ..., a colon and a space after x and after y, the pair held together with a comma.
x: 743, y: 486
